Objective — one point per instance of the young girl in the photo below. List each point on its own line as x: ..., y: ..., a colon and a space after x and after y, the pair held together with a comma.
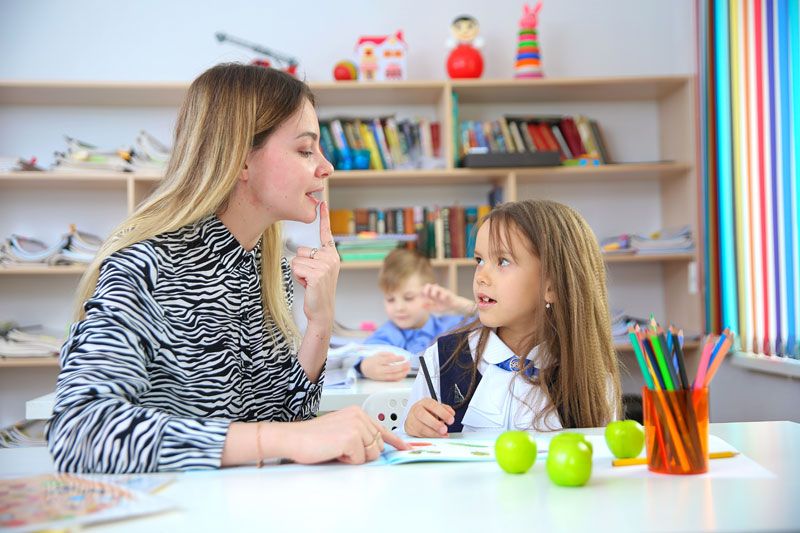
x: 540, y: 355
x: 184, y: 354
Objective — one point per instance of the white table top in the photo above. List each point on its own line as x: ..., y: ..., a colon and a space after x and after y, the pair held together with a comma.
x: 464, y: 497
x: 332, y: 399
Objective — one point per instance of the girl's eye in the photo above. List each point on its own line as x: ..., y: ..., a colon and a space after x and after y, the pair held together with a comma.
x: 479, y: 260
x: 504, y: 262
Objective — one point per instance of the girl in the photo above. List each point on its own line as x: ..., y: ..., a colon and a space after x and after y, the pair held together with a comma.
x: 184, y: 352
x: 540, y: 355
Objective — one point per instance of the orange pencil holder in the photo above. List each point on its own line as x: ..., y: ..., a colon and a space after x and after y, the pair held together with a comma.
x: 676, y: 430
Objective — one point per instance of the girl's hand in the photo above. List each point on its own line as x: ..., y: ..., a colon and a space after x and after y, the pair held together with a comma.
x: 348, y: 435
x: 442, y: 300
x: 427, y: 418
x: 385, y: 366
x: 317, y: 270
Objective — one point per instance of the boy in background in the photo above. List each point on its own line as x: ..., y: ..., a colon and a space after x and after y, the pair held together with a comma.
x: 410, y: 297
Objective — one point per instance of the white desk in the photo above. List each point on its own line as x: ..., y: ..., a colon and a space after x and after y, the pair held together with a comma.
x: 466, y: 497
x: 332, y: 399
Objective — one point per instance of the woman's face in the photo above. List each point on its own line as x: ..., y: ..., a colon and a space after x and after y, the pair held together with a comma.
x: 284, y: 175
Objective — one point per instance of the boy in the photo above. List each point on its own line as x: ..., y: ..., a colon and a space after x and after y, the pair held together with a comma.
x: 410, y: 295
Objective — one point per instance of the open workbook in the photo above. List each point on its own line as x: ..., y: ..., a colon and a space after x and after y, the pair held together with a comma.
x: 440, y: 450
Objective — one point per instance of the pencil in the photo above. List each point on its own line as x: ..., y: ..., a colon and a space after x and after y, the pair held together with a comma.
x: 424, y: 368
x: 643, y: 460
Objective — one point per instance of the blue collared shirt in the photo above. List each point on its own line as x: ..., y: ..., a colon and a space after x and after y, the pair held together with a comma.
x: 413, y: 340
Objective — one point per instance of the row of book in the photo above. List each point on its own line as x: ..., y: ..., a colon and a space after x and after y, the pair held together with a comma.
x: 437, y: 232
x: 572, y: 137
x: 381, y: 143
x: 146, y: 154
x: 75, y: 246
x: 664, y: 241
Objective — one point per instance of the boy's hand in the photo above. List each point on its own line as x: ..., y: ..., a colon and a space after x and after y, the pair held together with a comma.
x: 385, y: 366
x: 428, y: 418
x: 442, y: 300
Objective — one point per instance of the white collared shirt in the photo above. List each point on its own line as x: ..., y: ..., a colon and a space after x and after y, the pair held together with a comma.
x: 502, y: 400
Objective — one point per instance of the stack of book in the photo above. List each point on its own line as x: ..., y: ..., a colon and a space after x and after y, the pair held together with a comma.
x: 566, y: 138
x: 146, y: 154
x: 666, y: 241
x: 28, y: 342
x: 386, y: 143
x: 369, y: 246
x: 74, y: 247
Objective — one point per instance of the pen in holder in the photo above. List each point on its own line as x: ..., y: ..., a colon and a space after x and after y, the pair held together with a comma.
x: 676, y: 430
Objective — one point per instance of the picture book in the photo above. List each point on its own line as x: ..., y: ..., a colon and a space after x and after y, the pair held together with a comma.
x: 55, y: 501
x: 440, y: 450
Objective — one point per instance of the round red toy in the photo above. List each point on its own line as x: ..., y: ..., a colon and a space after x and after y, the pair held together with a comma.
x: 465, y: 61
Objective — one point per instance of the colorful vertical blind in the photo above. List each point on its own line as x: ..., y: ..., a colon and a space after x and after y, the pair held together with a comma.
x: 749, y: 70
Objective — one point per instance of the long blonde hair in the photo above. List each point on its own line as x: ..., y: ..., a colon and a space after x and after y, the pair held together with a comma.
x: 579, y: 369
x: 228, y: 111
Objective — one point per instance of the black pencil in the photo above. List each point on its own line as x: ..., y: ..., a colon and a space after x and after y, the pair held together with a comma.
x: 424, y: 368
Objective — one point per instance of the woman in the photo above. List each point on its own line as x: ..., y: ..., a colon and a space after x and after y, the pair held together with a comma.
x: 183, y: 355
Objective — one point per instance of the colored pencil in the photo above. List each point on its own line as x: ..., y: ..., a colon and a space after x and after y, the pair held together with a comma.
x: 643, y: 460
x: 427, y: 375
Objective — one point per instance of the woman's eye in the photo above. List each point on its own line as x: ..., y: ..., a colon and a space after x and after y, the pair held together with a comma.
x: 306, y: 153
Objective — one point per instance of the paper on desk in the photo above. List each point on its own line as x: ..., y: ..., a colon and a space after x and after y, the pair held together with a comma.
x: 348, y: 354
x: 339, y: 378
x: 57, y: 501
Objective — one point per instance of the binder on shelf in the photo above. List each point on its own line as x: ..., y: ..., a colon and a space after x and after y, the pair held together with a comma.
x: 523, y: 159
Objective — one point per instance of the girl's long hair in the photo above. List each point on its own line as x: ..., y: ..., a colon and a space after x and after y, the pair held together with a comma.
x: 579, y: 369
x: 228, y: 111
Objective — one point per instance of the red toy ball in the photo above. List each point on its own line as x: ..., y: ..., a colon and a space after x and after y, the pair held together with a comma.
x: 465, y: 61
x: 345, y: 70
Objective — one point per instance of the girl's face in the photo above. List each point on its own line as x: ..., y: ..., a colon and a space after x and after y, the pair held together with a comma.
x: 284, y: 175
x: 507, y: 286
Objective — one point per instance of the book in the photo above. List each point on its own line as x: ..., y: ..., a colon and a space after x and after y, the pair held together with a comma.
x: 440, y: 450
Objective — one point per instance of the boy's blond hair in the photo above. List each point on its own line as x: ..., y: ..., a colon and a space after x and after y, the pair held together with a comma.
x: 400, y: 265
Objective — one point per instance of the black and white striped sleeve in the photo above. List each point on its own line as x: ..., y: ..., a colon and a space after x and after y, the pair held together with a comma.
x: 97, y: 425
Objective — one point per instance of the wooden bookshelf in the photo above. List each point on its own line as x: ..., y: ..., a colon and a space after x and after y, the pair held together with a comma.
x: 28, y: 362
x: 671, y: 172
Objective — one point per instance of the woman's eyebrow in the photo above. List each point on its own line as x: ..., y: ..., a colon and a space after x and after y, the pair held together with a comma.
x: 308, y: 134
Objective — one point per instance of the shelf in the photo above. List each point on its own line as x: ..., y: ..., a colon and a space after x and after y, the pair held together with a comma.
x: 611, y: 172
x: 42, y: 270
x: 170, y: 94
x: 437, y: 263
x: 650, y: 258
x: 356, y: 93
x: 605, y: 89
x: 354, y: 178
x: 28, y: 362
x: 93, y: 93
x: 781, y: 366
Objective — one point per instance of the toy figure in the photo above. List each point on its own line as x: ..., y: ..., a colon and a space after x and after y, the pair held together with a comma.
x: 290, y: 62
x: 382, y: 57
x: 529, y: 59
x: 465, y: 60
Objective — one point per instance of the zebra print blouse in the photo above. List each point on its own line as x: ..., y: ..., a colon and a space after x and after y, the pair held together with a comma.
x: 173, y: 348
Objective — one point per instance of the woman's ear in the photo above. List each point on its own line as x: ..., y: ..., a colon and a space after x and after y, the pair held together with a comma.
x: 549, y: 294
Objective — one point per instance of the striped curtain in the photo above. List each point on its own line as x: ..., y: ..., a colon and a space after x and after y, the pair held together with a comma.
x: 749, y: 94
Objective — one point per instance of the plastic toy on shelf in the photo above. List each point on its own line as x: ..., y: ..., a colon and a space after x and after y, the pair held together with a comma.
x: 465, y: 60
x: 287, y: 64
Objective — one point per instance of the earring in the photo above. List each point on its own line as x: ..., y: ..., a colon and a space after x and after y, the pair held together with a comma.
x: 547, y: 305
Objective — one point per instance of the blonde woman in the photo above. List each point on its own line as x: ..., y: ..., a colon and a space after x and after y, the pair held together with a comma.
x: 184, y: 353
x: 540, y: 355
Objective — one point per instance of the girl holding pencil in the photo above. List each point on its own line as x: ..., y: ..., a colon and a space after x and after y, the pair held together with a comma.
x: 540, y: 354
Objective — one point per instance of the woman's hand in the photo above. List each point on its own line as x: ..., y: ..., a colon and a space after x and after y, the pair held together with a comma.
x: 317, y: 270
x: 385, y: 366
x: 442, y: 300
x: 427, y: 418
x: 348, y: 435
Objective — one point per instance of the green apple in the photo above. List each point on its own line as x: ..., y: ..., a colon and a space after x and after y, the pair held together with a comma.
x: 625, y: 438
x: 515, y: 451
x: 569, y: 460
